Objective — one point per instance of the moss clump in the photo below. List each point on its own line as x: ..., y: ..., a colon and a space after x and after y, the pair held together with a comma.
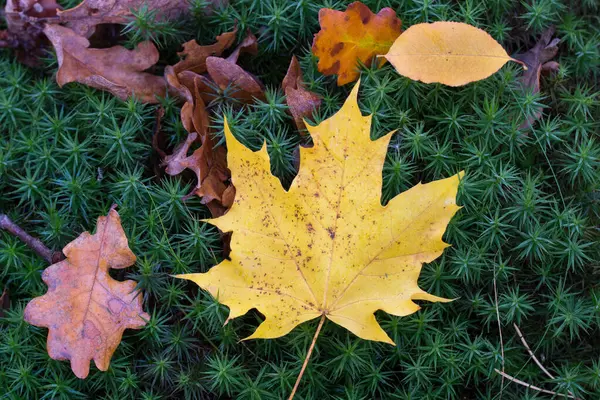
x: 528, y: 226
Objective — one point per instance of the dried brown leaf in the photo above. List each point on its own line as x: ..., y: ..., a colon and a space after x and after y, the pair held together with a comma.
x: 116, y: 69
x: 83, y: 18
x: 85, y: 310
x: 4, y: 302
x: 248, y: 45
x: 301, y: 102
x: 194, y: 55
x: 537, y: 61
x: 229, y: 76
x: 25, y: 23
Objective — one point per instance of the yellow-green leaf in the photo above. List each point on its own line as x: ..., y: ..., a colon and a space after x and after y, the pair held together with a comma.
x: 327, y: 246
x: 451, y: 53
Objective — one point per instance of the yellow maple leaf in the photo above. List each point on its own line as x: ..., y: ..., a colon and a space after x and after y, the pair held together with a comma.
x: 327, y: 247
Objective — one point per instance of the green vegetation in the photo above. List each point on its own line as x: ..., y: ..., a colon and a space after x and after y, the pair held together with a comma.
x: 524, y: 246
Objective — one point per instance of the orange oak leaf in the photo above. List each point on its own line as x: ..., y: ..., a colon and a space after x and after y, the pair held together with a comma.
x: 85, y: 310
x: 116, y: 69
x: 351, y: 36
x: 301, y: 102
x: 194, y: 55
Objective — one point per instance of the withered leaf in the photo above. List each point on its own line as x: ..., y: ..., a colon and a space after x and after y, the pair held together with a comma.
x: 85, y: 310
x: 84, y: 17
x: 230, y: 77
x: 535, y: 59
x: 210, y: 167
x: 4, y: 302
x: 116, y: 69
x: 248, y: 45
x: 538, y: 60
x: 194, y: 55
x: 24, y: 31
x: 301, y: 102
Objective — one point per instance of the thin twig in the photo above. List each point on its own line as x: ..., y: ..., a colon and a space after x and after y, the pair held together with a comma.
x: 500, y: 331
x: 310, y: 350
x: 530, y: 386
x: 539, y: 364
x: 33, y: 243
x: 535, y: 359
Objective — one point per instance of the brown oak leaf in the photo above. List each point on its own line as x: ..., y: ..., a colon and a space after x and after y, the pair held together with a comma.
x: 116, y: 69
x: 248, y: 45
x: 194, y: 55
x: 85, y: 310
x: 4, y: 302
x: 232, y: 78
x: 84, y: 17
x: 301, y: 102
x: 210, y: 166
x: 538, y: 61
x: 25, y: 24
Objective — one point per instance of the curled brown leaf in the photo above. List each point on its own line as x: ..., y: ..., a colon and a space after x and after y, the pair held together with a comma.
x: 116, y: 69
x: 301, y: 102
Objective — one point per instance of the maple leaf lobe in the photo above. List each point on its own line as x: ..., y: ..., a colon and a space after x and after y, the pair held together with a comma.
x: 327, y: 246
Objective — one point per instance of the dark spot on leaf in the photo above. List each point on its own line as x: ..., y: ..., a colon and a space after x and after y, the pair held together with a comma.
x: 336, y: 49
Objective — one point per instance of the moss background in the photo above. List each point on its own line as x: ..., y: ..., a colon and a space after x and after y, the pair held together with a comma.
x: 529, y: 225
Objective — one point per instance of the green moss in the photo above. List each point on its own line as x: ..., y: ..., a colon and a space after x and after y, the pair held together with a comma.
x: 528, y: 228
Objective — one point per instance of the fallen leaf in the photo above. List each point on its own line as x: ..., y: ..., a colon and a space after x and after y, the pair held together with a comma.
x: 538, y: 59
x: 232, y: 78
x: 248, y: 45
x: 209, y: 164
x: 327, y: 247
x: 85, y: 310
x: 194, y: 55
x: 116, y: 69
x: 4, y: 302
x: 347, y: 37
x: 451, y: 53
x: 25, y: 24
x: 301, y: 102
x: 84, y: 17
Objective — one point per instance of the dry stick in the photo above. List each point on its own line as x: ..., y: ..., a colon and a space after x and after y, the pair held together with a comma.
x: 535, y: 359
x: 33, y: 243
x: 539, y: 364
x: 310, y: 350
x: 530, y: 386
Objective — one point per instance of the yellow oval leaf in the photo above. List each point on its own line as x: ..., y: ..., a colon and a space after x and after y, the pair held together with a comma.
x: 451, y: 53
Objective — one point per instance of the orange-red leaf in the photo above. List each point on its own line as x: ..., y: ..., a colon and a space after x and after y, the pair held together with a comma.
x: 85, y: 310
x: 351, y: 36
x: 116, y: 69
x: 301, y: 102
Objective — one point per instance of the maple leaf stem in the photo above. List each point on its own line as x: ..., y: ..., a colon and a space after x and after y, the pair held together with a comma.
x: 310, y: 350
x: 34, y: 244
